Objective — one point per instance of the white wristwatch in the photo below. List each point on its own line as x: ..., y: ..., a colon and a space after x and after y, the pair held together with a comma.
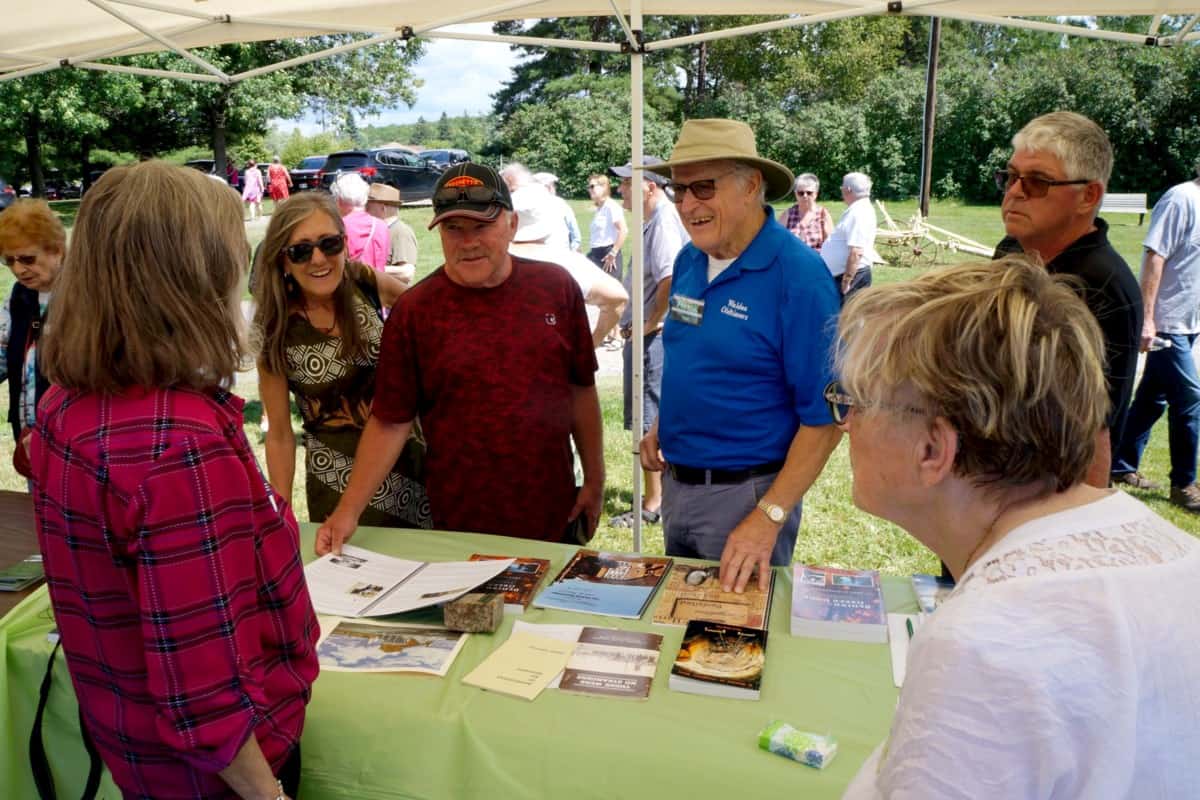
x: 776, y: 514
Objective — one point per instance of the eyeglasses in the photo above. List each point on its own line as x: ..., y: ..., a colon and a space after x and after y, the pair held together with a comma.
x: 449, y: 195
x: 841, y: 403
x: 1031, y: 185
x: 12, y: 261
x: 301, y: 252
x: 806, y: 193
x: 701, y: 190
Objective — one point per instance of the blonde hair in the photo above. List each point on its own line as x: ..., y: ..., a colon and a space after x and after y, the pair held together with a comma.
x: 148, y: 291
x: 1080, y: 144
x: 31, y: 223
x: 1006, y: 352
x: 604, y: 182
x: 275, y: 295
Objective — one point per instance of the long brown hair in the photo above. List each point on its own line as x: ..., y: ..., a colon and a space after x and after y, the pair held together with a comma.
x: 148, y: 291
x: 275, y: 294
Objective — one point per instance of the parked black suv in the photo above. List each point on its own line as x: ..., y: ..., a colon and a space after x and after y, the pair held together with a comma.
x: 411, y: 174
x: 445, y: 157
x: 305, y: 175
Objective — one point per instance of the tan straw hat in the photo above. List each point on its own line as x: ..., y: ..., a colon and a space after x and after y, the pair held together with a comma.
x: 385, y: 194
x: 725, y: 140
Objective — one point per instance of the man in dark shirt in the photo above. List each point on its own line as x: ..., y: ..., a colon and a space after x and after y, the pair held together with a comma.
x: 494, y: 354
x: 1052, y: 187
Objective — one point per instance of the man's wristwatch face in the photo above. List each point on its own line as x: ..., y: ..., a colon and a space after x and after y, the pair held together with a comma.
x: 776, y: 514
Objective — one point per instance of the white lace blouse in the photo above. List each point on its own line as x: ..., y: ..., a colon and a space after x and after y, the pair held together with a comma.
x: 1066, y: 664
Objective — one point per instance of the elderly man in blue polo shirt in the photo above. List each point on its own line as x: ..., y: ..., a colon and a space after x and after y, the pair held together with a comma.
x: 743, y: 428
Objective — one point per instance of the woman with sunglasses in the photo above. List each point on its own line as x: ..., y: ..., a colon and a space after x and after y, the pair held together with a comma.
x: 32, y: 243
x: 810, y: 222
x: 173, y: 568
x: 608, y: 230
x: 1064, y: 663
x: 319, y: 318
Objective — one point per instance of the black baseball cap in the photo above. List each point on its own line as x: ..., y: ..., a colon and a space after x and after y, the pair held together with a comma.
x: 469, y: 190
x: 626, y: 171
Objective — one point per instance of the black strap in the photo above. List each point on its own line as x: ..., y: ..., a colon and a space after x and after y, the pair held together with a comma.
x: 38, y: 762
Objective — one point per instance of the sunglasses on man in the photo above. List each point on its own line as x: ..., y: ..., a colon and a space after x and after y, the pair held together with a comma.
x: 12, y: 261
x: 301, y: 252
x: 449, y: 195
x: 1031, y: 185
x: 701, y: 190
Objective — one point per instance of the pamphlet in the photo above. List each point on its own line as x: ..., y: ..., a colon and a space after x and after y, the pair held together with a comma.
x: 360, y: 646
x: 22, y: 575
x: 522, y: 666
x: 611, y: 584
x: 901, y: 628
x: 362, y: 583
x: 694, y: 592
x: 517, y: 583
x: 607, y: 662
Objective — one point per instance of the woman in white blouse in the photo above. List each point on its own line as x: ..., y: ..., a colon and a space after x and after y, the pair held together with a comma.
x: 1065, y: 663
x: 608, y: 231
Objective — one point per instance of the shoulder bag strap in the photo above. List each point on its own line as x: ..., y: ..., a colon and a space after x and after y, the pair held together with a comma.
x: 38, y: 762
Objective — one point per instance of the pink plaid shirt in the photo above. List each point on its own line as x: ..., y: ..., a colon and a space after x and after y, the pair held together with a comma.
x: 175, y: 575
x: 812, y: 233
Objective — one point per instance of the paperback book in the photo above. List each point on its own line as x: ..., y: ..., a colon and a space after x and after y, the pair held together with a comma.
x: 361, y: 646
x: 22, y: 575
x: 611, y: 584
x: 720, y: 660
x: 930, y: 591
x: 362, y: 583
x: 606, y: 662
x: 517, y: 583
x: 843, y: 604
x: 694, y: 592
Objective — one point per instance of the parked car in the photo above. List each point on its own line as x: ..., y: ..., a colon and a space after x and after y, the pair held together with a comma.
x: 7, y: 194
x: 305, y: 175
x: 445, y: 157
x: 203, y: 164
x: 412, y: 175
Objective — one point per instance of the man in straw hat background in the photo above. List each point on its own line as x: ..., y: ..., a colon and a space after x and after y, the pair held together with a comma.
x: 743, y: 428
x: 493, y: 352
x: 383, y: 203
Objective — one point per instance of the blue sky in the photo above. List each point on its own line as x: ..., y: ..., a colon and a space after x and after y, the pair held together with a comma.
x: 458, y: 77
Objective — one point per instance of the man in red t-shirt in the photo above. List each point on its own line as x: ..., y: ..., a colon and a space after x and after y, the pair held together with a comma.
x: 494, y: 354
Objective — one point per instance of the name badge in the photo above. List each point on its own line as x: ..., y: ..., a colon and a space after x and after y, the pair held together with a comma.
x: 687, y: 310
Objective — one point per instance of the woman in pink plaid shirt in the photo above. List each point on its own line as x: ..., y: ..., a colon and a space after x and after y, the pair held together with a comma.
x: 810, y: 222
x: 173, y: 568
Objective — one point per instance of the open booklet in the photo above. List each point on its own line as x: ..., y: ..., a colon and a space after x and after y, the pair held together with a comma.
x: 362, y: 583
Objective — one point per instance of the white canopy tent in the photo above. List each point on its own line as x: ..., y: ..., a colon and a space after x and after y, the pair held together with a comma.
x: 43, y: 35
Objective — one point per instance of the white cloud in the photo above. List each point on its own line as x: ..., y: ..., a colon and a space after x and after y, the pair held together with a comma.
x: 459, y: 76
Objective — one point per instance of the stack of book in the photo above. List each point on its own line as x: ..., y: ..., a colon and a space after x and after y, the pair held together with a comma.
x: 517, y: 583
x: 843, y: 604
x: 720, y: 660
x: 610, y: 584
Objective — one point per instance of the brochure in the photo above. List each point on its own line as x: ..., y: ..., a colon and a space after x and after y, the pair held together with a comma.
x: 522, y: 666
x: 607, y: 662
x: 611, y: 584
x: 360, y: 646
x: 362, y: 583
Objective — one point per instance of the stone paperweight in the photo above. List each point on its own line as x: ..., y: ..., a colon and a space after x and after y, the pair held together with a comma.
x: 474, y: 613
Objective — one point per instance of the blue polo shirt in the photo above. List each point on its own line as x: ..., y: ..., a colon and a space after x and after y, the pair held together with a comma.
x: 737, y: 386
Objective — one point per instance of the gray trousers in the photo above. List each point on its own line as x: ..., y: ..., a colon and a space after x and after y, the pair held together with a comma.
x: 697, y: 519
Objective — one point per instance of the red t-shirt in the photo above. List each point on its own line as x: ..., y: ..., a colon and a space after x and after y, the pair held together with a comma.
x: 490, y: 373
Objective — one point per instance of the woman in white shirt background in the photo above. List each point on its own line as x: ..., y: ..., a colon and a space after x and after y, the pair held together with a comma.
x: 1064, y: 664
x: 608, y: 230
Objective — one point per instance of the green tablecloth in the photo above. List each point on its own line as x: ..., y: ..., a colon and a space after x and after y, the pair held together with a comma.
x: 410, y: 736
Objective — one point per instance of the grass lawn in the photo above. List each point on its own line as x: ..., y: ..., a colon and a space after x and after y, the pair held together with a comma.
x: 833, y: 532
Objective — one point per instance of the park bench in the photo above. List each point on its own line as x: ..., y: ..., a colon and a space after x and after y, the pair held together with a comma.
x: 1125, y: 204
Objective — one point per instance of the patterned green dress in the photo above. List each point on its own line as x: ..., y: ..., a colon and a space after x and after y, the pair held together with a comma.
x: 334, y: 397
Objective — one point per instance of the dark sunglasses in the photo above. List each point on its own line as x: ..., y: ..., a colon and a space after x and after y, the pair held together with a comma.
x: 301, y: 252
x: 805, y: 193
x: 12, y: 261
x: 841, y: 403
x: 449, y: 195
x: 701, y: 190
x: 1030, y: 185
